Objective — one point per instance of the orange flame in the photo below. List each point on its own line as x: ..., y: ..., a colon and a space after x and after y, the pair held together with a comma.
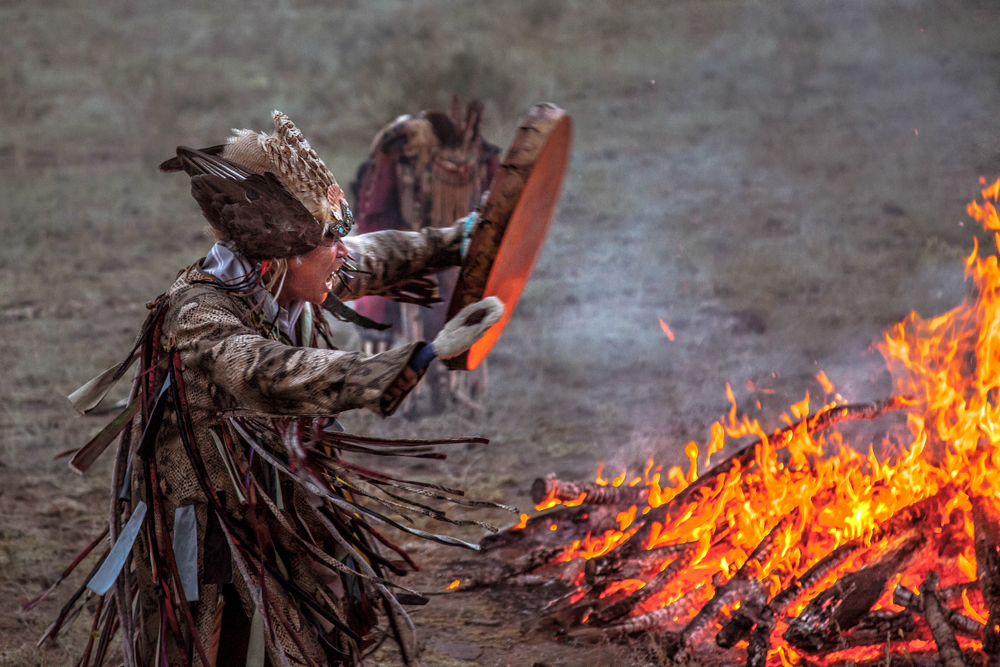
x: 599, y: 479
x: 949, y: 364
x: 828, y: 387
x: 628, y: 585
x: 453, y: 585
x: 666, y: 330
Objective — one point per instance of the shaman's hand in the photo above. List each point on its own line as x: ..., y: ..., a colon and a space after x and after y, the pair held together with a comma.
x: 468, y: 326
x: 406, y: 381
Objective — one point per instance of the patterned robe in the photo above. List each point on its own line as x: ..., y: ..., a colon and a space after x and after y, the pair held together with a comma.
x: 261, y: 525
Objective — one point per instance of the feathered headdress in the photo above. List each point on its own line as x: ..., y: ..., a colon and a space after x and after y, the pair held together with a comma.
x: 269, y: 195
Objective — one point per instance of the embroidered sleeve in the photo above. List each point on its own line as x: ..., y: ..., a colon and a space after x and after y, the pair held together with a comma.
x: 387, y: 258
x: 238, y: 368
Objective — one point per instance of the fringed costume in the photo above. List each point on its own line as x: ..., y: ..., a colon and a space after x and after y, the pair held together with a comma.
x: 239, y: 535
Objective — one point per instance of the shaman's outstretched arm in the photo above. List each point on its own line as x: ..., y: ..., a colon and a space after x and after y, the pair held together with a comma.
x: 242, y: 370
x: 386, y: 259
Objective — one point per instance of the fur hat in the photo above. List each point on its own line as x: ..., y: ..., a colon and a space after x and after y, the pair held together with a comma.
x: 270, y: 195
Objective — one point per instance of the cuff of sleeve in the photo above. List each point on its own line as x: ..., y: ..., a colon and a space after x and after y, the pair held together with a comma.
x: 422, y: 358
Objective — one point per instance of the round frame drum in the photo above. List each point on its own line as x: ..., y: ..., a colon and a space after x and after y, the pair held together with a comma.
x: 513, y: 222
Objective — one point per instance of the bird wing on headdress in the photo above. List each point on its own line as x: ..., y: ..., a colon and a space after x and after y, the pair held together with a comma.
x: 254, y: 211
x: 175, y: 164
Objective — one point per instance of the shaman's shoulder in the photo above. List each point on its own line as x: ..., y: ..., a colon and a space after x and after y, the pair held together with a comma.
x: 194, y: 297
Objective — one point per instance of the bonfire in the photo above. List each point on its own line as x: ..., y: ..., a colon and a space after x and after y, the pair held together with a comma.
x: 800, y: 549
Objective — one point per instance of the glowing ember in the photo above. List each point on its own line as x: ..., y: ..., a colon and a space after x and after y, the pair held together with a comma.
x: 666, y: 330
x: 828, y: 387
x: 820, y: 492
x: 453, y: 585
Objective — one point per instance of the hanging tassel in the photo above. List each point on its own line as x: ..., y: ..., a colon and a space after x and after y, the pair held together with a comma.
x: 90, y: 452
x: 185, y: 547
x: 345, y: 313
x: 105, y: 577
x: 87, y: 397
x: 111, y: 626
x: 255, y: 650
x: 154, y: 422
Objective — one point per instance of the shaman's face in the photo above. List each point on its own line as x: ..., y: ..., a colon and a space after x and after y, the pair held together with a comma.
x: 311, y: 276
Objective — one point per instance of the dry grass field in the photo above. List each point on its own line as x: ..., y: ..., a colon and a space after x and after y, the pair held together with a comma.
x: 779, y: 180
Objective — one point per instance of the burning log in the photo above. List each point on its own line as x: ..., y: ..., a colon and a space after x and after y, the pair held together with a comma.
x: 532, y: 560
x: 665, y: 576
x: 937, y: 619
x: 879, y: 627
x: 572, y: 609
x: 571, y: 523
x: 657, y: 619
x: 760, y: 640
x: 743, y: 619
x: 588, y: 493
x: 743, y: 585
x: 746, y: 456
x: 908, y: 516
x: 602, y: 567
x: 960, y: 623
x: 988, y: 572
x: 752, y: 605
x: 843, y: 605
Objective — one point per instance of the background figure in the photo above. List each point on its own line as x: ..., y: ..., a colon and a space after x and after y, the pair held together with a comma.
x: 424, y: 170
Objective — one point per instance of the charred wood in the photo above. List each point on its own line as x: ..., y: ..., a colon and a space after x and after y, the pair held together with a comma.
x: 740, y: 587
x: 904, y: 597
x: 572, y: 523
x: 987, y: 536
x: 760, y: 639
x: 704, y: 621
x: 935, y: 613
x: 567, y: 611
x: 615, y: 611
x: 611, y: 564
x: 815, y: 574
x: 658, y: 619
x: 742, y: 621
x: 534, y: 528
x: 587, y: 493
x: 843, y: 605
x: 880, y: 627
x: 960, y: 623
x: 519, y: 567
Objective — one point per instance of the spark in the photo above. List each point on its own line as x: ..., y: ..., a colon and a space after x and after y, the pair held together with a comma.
x: 666, y: 329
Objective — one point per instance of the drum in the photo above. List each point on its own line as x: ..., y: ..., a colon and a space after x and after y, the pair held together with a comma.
x: 513, y: 222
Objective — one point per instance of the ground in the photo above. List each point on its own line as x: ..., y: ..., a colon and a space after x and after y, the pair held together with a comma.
x: 778, y: 181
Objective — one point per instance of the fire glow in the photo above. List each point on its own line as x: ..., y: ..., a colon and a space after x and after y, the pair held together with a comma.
x: 807, y: 495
